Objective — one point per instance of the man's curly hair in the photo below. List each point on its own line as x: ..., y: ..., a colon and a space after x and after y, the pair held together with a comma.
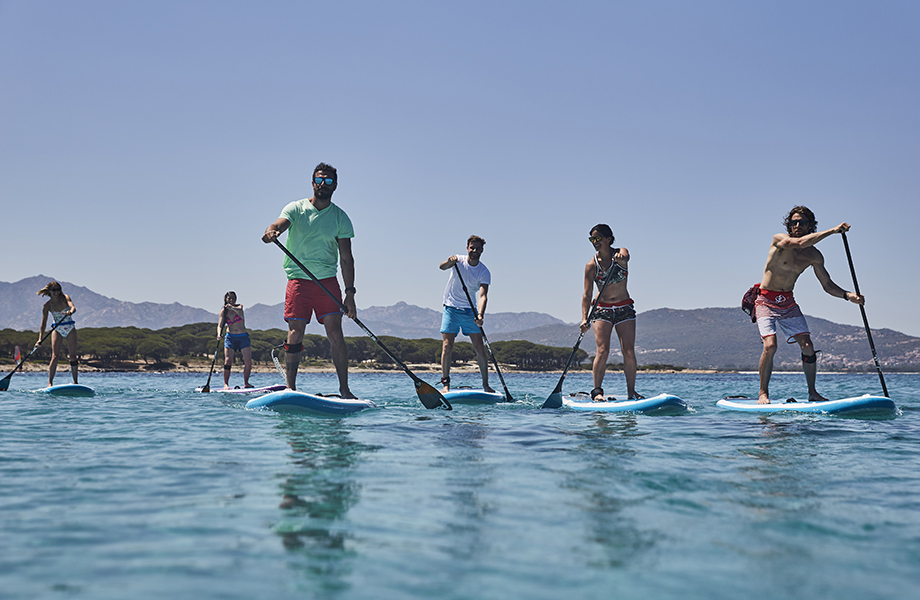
x: 805, y: 212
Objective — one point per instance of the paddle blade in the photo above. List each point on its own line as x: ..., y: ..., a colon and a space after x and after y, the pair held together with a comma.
x: 205, y: 389
x: 5, y: 383
x: 430, y: 397
x: 554, y: 401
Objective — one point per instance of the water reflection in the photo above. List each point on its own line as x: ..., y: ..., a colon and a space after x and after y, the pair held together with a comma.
x: 316, y: 494
x: 605, y: 483
x: 469, y: 475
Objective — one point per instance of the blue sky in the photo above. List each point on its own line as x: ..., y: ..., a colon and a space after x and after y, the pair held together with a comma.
x: 146, y: 146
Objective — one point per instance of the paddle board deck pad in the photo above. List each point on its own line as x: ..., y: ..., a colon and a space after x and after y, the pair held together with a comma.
x: 471, y: 396
x: 865, y: 405
x: 69, y: 389
x: 252, y: 390
x: 289, y: 401
x: 660, y: 404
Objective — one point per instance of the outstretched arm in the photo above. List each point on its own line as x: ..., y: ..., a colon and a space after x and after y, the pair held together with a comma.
x: 347, y: 262
x: 586, y: 297
x: 275, y: 229
x: 787, y: 242
x: 832, y: 288
x: 483, y: 300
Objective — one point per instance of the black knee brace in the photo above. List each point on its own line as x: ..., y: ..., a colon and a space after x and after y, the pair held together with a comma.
x: 74, y: 363
x: 810, y: 359
x: 226, y: 367
x: 295, y: 348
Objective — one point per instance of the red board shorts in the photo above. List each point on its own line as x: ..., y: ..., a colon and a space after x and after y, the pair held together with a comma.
x: 774, y: 309
x: 303, y: 298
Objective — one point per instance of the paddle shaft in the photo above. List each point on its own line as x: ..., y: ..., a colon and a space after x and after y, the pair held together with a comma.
x: 862, y: 310
x: 484, y: 338
x: 418, y: 382
x: 558, y: 388
x: 5, y: 382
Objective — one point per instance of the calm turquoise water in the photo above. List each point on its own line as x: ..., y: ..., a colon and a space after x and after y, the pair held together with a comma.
x: 149, y: 490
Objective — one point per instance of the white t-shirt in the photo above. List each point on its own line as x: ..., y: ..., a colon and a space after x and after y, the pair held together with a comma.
x: 473, y: 277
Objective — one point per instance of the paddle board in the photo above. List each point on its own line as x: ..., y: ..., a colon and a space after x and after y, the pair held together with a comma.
x: 68, y: 389
x: 660, y: 404
x: 289, y: 401
x: 471, y: 396
x: 252, y: 390
x: 867, y: 404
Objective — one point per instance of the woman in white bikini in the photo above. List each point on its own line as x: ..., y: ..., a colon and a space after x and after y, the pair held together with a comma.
x: 62, y: 309
x: 236, y: 339
x: 614, y: 309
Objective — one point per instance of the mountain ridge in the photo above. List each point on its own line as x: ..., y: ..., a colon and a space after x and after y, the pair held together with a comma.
x: 718, y: 338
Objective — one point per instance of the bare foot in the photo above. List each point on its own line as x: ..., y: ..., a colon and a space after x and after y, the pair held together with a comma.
x: 347, y: 395
x: 763, y: 399
x: 597, y: 395
x: 488, y: 389
x: 248, y: 385
x: 635, y: 396
x: 816, y: 397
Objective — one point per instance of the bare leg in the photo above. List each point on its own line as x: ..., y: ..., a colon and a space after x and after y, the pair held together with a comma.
x: 228, y: 365
x: 766, y: 368
x: 55, y: 349
x: 479, y: 347
x: 333, y: 325
x: 447, y: 352
x: 811, y: 369
x: 602, y: 332
x: 72, y: 347
x: 626, y: 331
x: 247, y: 365
x: 296, y: 328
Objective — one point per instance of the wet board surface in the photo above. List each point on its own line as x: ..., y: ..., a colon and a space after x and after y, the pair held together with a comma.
x: 69, y: 389
x: 662, y: 403
x: 252, y: 390
x: 289, y: 401
x: 862, y: 404
x: 473, y: 396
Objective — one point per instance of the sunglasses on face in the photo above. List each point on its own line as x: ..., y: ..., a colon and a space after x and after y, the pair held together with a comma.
x: 802, y: 222
x: 323, y: 180
x: 595, y: 238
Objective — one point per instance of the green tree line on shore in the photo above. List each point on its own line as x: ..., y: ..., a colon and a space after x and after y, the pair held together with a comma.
x: 106, y: 347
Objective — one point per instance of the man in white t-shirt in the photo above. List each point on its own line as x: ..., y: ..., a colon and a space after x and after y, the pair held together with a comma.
x: 458, y: 315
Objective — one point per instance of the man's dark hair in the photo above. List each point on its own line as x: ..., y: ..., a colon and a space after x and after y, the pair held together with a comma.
x: 604, y: 230
x: 325, y: 168
x: 805, y: 212
x: 475, y: 238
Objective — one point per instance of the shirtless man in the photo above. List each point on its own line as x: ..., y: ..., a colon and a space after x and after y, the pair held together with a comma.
x: 790, y: 255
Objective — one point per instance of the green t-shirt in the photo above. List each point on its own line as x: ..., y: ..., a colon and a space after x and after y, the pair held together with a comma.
x: 313, y: 238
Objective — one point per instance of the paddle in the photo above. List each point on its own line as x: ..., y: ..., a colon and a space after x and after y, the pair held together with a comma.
x: 508, y: 397
x: 555, y: 399
x: 5, y: 382
x: 862, y: 310
x: 207, y: 387
x: 427, y: 394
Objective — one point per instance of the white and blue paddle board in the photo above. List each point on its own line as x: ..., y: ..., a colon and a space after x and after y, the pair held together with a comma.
x: 471, y: 396
x: 69, y: 389
x: 290, y: 401
x: 662, y: 404
x: 867, y: 404
x: 253, y: 390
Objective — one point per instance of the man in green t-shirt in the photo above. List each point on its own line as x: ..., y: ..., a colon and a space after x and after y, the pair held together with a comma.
x: 319, y: 235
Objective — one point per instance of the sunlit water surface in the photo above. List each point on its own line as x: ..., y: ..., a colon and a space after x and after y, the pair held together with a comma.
x: 149, y: 490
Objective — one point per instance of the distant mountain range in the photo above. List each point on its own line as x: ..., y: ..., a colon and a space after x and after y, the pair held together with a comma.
x: 720, y: 338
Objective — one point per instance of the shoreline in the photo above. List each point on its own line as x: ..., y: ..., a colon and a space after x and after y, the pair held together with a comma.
x: 141, y: 367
